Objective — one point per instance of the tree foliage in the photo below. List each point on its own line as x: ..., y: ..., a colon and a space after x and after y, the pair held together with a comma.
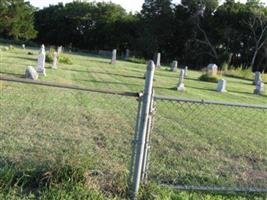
x: 16, y: 19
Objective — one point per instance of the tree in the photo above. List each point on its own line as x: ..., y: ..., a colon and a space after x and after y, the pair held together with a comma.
x: 17, y: 20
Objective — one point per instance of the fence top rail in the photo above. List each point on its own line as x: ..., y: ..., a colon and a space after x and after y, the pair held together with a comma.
x: 66, y: 86
x: 167, y: 98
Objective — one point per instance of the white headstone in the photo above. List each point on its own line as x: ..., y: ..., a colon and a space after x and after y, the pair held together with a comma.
x: 221, y: 86
x: 114, y: 57
x: 259, y: 88
x: 127, y: 54
x: 23, y: 47
x: 186, y: 70
x: 41, y: 62
x: 30, y: 73
x: 257, y: 78
x: 158, y: 60
x: 54, y: 66
x: 174, y: 66
x: 59, y: 50
x: 212, y: 69
x: 181, y: 86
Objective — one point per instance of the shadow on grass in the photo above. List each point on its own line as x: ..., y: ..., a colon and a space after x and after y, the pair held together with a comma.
x: 13, y: 74
x: 25, y: 58
x: 98, y: 72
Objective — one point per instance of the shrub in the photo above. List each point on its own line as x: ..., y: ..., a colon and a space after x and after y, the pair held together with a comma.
x: 209, y: 78
x: 61, y: 58
x: 64, y: 59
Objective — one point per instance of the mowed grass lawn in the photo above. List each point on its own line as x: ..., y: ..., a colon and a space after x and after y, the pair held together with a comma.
x: 68, y: 144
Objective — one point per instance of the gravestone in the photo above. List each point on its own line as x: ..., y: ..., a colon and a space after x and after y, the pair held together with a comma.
x: 54, y: 66
x: 158, y: 60
x: 59, y: 50
x: 186, y: 71
x: 114, y: 57
x: 31, y: 73
x: 221, y: 86
x: 212, y: 69
x: 23, y: 47
x: 127, y: 54
x: 257, y: 78
x: 259, y: 88
x: 41, y: 62
x: 180, y: 86
x: 174, y: 66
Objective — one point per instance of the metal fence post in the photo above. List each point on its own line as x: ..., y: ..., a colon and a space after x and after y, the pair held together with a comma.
x: 142, y: 129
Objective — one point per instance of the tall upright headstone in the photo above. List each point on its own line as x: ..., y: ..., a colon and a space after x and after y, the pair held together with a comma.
x: 158, y: 60
x: 259, y: 88
x: 23, y: 46
x: 257, y: 78
x: 59, y: 50
x: 41, y: 62
x: 127, y: 54
x: 186, y: 71
x: 212, y: 69
x: 180, y: 85
x: 174, y: 66
x: 114, y: 57
x: 54, y: 66
x: 221, y: 86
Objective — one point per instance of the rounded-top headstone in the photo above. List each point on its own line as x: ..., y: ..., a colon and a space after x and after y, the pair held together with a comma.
x: 30, y: 73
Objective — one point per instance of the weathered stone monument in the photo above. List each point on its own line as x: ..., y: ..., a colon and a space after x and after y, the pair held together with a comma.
x: 180, y: 86
x: 127, y: 54
x: 186, y: 71
x: 54, y: 66
x: 221, y: 86
x: 212, y: 69
x: 257, y: 78
x: 259, y: 88
x: 174, y: 66
x: 158, y: 60
x: 114, y: 57
x: 30, y: 73
x: 59, y: 50
x: 41, y: 62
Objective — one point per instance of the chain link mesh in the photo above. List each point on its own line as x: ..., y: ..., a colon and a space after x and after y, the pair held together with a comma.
x: 208, y: 146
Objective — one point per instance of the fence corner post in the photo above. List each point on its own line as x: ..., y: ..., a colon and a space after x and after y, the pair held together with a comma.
x: 139, y: 147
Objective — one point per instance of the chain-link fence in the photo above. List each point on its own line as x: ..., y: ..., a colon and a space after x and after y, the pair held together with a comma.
x: 213, y: 146
x: 46, y: 129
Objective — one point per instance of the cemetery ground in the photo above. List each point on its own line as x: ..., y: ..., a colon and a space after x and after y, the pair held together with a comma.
x: 68, y: 144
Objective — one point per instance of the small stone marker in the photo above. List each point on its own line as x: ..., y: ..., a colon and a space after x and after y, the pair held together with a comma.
x: 31, y: 73
x: 41, y: 62
x: 259, y: 88
x: 158, y: 60
x: 257, y: 78
x: 180, y: 86
x: 23, y: 47
x: 212, y: 69
x: 221, y: 86
x: 174, y: 66
x: 54, y: 66
x: 127, y: 54
x: 186, y: 71
x: 114, y: 57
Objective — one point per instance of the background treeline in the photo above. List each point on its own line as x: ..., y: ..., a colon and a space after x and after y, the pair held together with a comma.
x: 195, y: 32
